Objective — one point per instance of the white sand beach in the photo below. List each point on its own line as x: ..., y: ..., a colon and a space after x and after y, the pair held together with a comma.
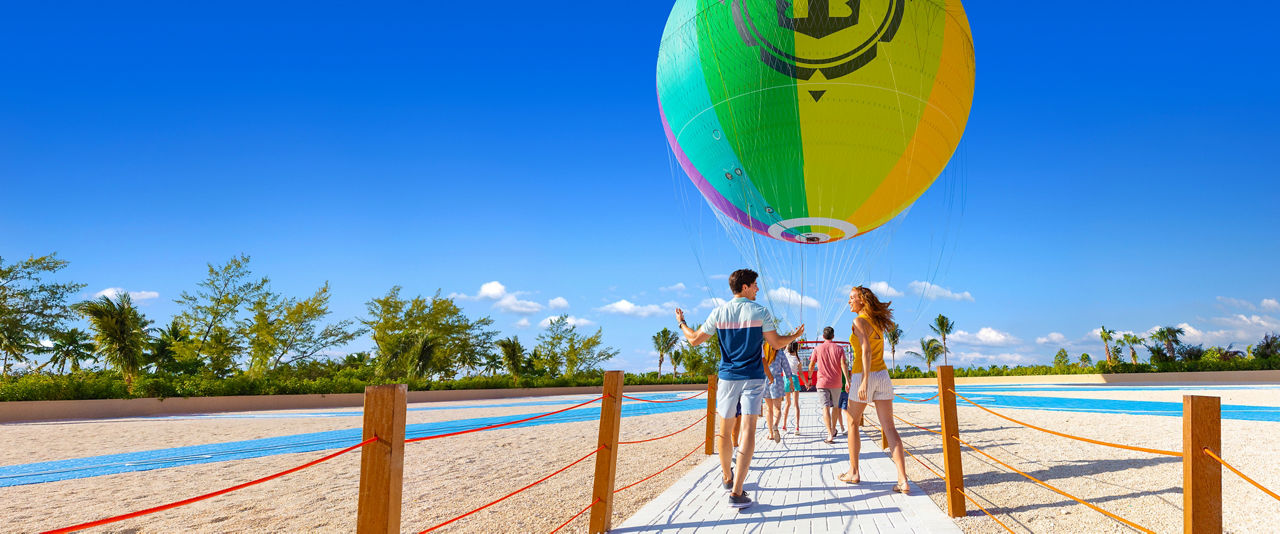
x: 450, y: 476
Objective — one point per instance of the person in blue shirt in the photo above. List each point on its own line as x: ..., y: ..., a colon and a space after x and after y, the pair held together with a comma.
x: 743, y: 326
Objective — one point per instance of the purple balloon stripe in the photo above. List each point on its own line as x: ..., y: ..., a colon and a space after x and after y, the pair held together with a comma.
x: 719, y: 201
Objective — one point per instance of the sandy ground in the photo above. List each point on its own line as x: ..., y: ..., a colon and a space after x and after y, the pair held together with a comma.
x: 442, y: 478
x: 447, y: 477
x: 1256, y: 397
x: 1143, y: 488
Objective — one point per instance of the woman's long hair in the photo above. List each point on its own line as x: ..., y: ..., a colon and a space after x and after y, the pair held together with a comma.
x: 879, y: 313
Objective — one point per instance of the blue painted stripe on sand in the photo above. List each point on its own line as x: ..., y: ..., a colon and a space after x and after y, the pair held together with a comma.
x: 41, y: 472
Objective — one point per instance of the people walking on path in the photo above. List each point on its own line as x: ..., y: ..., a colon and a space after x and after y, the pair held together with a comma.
x: 775, y: 365
x: 791, y: 401
x: 743, y: 327
x: 871, y: 378
x: 828, y: 359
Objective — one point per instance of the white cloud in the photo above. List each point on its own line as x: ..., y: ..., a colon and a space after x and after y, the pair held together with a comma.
x: 510, y: 304
x: 573, y: 321
x: 935, y: 292
x: 784, y: 296
x: 46, y: 343
x: 523, y: 323
x: 986, y: 336
x: 711, y: 303
x: 676, y: 287
x: 492, y: 290
x: 671, y: 305
x: 882, y: 289
x: 137, y: 296
x: 558, y: 303
x: 489, y: 290
x: 1270, y: 305
x: 626, y: 307
x: 1237, y: 303
x: 719, y: 277
x: 505, y: 301
x: 1054, y: 337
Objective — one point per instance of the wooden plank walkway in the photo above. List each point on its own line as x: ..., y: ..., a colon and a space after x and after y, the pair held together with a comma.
x: 796, y: 491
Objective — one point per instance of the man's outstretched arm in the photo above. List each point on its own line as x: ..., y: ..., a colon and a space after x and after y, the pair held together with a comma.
x: 776, y: 340
x: 693, y: 337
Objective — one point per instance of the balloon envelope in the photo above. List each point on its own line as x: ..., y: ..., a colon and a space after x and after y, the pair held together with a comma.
x: 814, y: 121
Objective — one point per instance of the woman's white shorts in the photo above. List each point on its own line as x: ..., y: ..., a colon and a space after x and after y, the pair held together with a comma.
x: 879, y: 387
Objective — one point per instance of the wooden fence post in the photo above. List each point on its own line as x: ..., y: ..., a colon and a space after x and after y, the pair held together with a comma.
x: 950, y: 447
x: 607, y: 458
x: 1201, y: 475
x: 712, y: 383
x: 382, y: 461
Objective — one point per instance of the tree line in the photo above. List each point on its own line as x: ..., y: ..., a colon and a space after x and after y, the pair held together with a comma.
x: 235, y: 325
x: 1164, y: 352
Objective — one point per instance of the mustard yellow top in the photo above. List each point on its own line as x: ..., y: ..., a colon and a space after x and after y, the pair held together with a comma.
x: 877, y: 348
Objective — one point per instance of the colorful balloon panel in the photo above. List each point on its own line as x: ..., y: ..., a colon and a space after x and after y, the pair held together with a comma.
x: 819, y: 120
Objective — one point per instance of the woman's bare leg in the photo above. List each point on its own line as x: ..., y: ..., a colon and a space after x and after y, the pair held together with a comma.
x: 884, y: 410
x: 853, y: 417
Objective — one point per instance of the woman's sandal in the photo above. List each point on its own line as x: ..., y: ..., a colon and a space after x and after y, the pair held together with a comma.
x: 844, y: 477
x: 904, y: 489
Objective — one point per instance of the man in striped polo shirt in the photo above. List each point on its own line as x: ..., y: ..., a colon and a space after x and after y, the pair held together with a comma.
x: 743, y: 326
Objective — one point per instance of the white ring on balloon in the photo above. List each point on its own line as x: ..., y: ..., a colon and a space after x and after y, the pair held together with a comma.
x: 848, y: 228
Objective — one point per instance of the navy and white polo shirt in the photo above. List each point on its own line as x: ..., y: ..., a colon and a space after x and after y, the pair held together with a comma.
x: 741, y: 324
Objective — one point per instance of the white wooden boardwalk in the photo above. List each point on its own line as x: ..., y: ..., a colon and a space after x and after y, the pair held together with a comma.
x: 796, y: 491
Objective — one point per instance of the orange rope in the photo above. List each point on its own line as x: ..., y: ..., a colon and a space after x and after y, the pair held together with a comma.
x: 935, y: 395
x: 505, y: 497
x: 508, y: 423
x: 628, y: 486
x: 164, y: 507
x: 575, y: 516
x: 1069, y: 436
x: 1056, y: 490
x: 915, y: 425
x: 984, y: 510
x: 962, y: 492
x: 1241, y: 475
x: 926, y: 466
x: 663, y: 401
x: 700, y: 419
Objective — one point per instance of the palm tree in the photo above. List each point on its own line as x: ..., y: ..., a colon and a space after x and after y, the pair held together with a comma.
x: 930, y: 350
x: 1106, y: 336
x: 943, y: 326
x: 1131, y: 341
x: 512, y: 356
x: 1169, y: 336
x: 163, y: 347
x: 893, y: 336
x: 677, y: 359
x: 492, y: 363
x: 120, y: 332
x: 69, y: 346
x: 14, y: 344
x: 664, y: 342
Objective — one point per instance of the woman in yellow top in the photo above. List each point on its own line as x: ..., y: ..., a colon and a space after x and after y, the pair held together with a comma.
x: 871, y: 377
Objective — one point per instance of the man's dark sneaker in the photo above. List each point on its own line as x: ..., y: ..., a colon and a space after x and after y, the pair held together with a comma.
x: 740, y: 501
x: 729, y: 485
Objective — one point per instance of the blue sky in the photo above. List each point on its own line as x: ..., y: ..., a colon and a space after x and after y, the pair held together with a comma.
x: 1119, y: 168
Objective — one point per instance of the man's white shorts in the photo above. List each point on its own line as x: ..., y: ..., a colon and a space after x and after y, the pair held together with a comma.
x: 879, y: 387
x: 730, y: 392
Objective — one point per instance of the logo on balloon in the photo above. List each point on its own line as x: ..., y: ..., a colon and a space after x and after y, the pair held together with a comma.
x: 821, y: 24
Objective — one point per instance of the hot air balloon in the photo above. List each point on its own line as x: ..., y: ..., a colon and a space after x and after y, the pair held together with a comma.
x: 814, y: 121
